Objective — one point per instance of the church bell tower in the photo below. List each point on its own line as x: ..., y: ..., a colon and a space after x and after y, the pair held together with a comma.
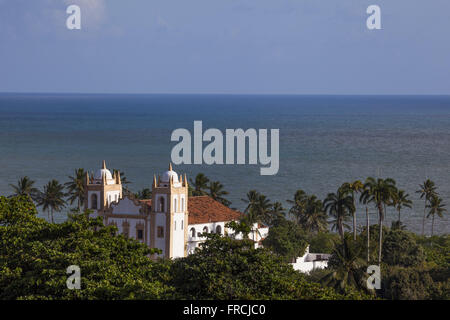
x: 169, y: 216
x: 102, y: 189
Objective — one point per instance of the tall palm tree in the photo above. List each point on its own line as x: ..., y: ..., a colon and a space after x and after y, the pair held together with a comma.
x: 298, y: 205
x: 380, y: 192
x: 277, y: 212
x: 436, y: 208
x: 348, y: 270
x: 75, y: 186
x: 217, y: 193
x: 400, y: 201
x: 427, y: 190
x: 200, y: 185
x: 314, y: 218
x: 252, y: 197
x: 352, y: 188
x: 339, y: 205
x: 52, y: 198
x: 25, y: 187
x: 364, y: 198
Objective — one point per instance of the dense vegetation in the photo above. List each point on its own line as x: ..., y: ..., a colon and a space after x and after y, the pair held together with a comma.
x: 35, y: 253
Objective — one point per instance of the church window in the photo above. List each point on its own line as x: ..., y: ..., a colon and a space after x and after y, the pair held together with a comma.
x: 205, y: 230
x: 140, y: 234
x: 161, y: 204
x: 175, y: 225
x: 94, y: 201
x: 160, y: 232
x: 182, y: 204
x: 193, y: 232
x: 175, y: 205
x: 219, y: 230
x: 182, y: 224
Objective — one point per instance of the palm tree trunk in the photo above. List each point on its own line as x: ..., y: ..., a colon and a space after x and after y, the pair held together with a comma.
x: 368, y: 233
x: 423, y: 220
x: 380, y: 212
x: 432, y: 225
x: 354, y: 217
x: 52, y: 214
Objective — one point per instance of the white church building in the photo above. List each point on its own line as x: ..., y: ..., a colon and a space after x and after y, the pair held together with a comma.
x: 171, y: 221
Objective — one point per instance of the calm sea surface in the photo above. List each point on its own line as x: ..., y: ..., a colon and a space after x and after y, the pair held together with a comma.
x: 324, y: 141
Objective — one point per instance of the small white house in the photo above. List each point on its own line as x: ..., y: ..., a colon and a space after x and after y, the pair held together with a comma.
x: 310, y: 261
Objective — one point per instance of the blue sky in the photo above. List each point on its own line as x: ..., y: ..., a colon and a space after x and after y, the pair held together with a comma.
x: 225, y: 46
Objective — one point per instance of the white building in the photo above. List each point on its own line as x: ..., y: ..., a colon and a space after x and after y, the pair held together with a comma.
x: 170, y: 221
x: 311, y: 261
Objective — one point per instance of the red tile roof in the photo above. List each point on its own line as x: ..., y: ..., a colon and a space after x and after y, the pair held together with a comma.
x: 204, y: 209
x: 148, y: 202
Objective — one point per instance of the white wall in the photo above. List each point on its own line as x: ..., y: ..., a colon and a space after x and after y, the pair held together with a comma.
x: 160, y: 221
x: 178, y: 235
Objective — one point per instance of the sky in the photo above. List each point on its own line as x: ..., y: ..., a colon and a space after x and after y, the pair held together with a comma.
x: 225, y: 46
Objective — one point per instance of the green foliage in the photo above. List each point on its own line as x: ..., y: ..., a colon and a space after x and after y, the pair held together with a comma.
x: 225, y: 268
x: 412, y: 284
x: 286, y: 239
x: 35, y: 254
x: 401, y: 249
x: 322, y: 242
x: 308, y: 212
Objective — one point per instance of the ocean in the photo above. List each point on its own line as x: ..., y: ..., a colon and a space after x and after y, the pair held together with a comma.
x: 324, y: 141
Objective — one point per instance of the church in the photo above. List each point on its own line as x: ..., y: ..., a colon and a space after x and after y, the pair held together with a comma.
x: 170, y: 221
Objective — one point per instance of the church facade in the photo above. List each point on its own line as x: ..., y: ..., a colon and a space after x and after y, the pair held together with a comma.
x: 170, y: 221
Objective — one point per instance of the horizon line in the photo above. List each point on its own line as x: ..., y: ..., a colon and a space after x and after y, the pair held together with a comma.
x: 227, y: 94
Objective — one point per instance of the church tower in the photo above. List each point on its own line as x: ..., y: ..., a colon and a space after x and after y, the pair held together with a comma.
x: 169, y: 216
x: 102, y: 189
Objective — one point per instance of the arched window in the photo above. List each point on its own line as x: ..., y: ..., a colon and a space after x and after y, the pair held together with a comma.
x: 175, y: 205
x: 182, y: 204
x: 94, y: 200
x: 205, y: 229
x: 161, y: 204
x: 182, y: 224
x: 193, y: 232
x: 219, y: 230
x: 175, y: 225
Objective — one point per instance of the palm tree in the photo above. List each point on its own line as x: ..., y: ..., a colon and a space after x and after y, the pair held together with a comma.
x: 436, y: 208
x: 277, y: 212
x: 427, y: 190
x: 310, y: 214
x: 298, y: 205
x: 353, y: 187
x: 364, y: 198
x: 52, y: 198
x: 25, y: 187
x: 380, y: 192
x: 399, y: 201
x: 339, y: 205
x: 143, y: 194
x: 252, y: 197
x: 347, y: 267
x: 216, y: 192
x: 200, y: 185
x: 75, y: 186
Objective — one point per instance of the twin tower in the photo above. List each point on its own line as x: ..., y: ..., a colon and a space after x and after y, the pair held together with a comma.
x: 161, y: 223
